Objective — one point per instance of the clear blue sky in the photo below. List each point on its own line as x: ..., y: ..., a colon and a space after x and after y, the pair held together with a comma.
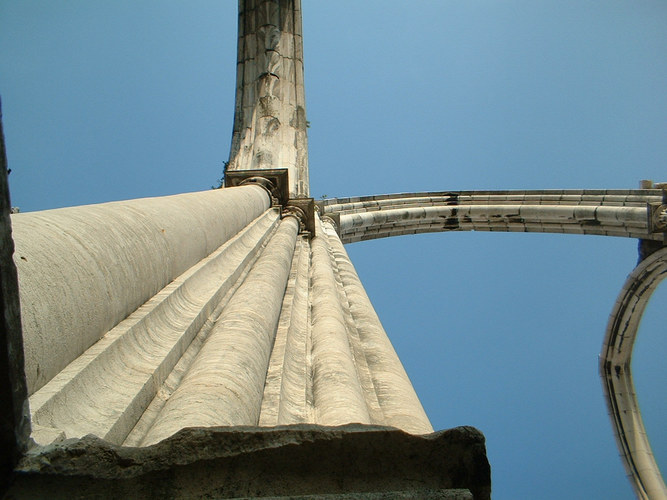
x: 114, y: 100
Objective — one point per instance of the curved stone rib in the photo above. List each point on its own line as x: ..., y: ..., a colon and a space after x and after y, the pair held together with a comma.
x: 106, y: 390
x: 615, y: 362
x: 610, y: 197
x: 225, y: 382
x: 602, y: 212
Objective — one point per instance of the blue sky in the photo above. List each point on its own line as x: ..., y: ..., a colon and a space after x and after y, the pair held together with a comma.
x: 115, y: 100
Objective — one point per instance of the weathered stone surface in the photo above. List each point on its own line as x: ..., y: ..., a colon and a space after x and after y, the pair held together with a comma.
x: 606, y: 212
x: 254, y: 462
x: 615, y: 370
x: 288, y: 389
x: 421, y: 494
x: 82, y: 270
x: 270, y: 119
x: 338, y: 393
x: 375, y: 358
x: 108, y: 388
x: 225, y: 383
x: 14, y: 414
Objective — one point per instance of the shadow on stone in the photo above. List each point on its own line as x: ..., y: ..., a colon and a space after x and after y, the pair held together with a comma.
x: 300, y: 461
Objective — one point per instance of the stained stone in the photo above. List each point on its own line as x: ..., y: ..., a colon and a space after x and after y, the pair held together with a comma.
x: 251, y: 462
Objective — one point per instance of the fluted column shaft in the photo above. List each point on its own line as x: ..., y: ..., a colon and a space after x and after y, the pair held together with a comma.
x: 270, y: 116
x: 398, y: 401
x: 337, y: 395
x: 225, y: 383
x: 288, y: 391
x: 84, y: 269
x: 107, y: 391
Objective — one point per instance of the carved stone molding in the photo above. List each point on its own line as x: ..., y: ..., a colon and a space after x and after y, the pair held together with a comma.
x: 275, y: 181
x: 304, y: 209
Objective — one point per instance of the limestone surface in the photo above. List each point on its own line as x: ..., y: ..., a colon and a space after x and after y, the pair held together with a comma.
x: 250, y: 462
x: 271, y: 328
x: 82, y: 270
x: 605, y: 212
x: 615, y: 370
x: 270, y: 116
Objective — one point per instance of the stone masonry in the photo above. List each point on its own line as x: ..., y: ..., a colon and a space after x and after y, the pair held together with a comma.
x: 221, y: 344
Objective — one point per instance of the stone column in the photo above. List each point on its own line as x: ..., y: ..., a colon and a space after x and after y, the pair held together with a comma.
x: 337, y: 394
x: 270, y: 116
x: 84, y: 269
x: 398, y: 401
x: 116, y: 387
x: 225, y: 383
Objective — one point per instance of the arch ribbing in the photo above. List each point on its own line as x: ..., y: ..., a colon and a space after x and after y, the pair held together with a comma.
x: 602, y: 212
x: 624, y: 213
x: 617, y: 384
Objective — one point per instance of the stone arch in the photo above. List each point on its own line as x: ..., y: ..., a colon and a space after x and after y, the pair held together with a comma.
x: 616, y: 374
x: 612, y: 212
x: 623, y: 213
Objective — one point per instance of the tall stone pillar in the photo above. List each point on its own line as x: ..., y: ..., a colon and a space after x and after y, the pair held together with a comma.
x: 225, y: 382
x: 338, y: 394
x: 270, y: 116
x: 84, y: 269
x: 398, y: 403
x: 176, y: 336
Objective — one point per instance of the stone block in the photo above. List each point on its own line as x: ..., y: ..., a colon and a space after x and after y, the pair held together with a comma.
x: 251, y: 462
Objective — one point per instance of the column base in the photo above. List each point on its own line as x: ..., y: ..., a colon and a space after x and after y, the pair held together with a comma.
x: 298, y: 461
